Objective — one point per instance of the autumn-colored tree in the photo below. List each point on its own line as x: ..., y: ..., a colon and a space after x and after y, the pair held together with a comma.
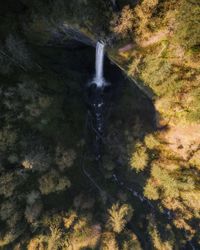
x: 125, y: 22
x: 119, y: 215
x: 139, y: 158
x: 188, y: 24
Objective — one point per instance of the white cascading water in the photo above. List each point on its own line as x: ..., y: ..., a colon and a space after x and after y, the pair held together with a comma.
x: 99, y: 79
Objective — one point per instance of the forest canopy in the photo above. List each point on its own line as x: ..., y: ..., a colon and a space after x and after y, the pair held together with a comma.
x: 139, y: 187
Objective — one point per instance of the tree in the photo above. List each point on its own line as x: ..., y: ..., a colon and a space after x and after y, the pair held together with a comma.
x: 109, y: 242
x: 139, y: 158
x: 151, y: 191
x: 167, y: 183
x: 158, y: 242
x: 119, y: 216
x: 124, y: 23
x: 188, y: 28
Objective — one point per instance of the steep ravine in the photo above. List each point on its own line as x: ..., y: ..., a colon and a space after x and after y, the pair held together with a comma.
x: 111, y: 169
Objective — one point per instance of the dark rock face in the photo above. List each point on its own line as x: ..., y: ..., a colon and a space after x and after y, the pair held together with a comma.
x: 74, y: 37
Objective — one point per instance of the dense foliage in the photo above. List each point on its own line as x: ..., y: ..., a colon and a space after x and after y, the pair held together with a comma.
x: 146, y: 194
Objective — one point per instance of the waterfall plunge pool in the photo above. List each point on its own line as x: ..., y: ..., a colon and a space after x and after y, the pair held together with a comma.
x: 75, y: 64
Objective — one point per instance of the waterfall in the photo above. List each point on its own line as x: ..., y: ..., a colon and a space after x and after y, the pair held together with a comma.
x: 99, y: 79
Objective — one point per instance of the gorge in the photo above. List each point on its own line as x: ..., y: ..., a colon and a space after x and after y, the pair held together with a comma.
x: 99, y: 125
